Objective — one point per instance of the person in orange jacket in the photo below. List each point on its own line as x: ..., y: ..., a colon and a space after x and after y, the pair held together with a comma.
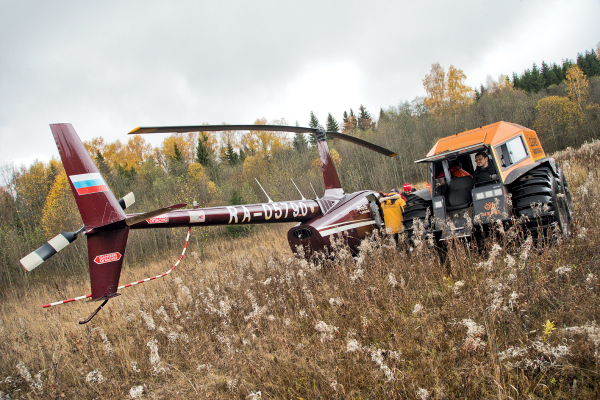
x: 392, y: 205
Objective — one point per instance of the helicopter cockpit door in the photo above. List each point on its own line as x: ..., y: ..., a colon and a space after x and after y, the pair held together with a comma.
x: 376, y: 211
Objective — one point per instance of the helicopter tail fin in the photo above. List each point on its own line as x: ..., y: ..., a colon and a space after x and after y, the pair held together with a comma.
x: 103, y: 216
x: 333, y: 186
x: 96, y: 203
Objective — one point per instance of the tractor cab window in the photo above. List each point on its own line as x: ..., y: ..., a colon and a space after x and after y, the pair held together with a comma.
x: 511, y: 152
x: 439, y: 179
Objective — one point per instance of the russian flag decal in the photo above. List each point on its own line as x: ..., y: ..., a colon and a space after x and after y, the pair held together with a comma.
x: 88, y: 183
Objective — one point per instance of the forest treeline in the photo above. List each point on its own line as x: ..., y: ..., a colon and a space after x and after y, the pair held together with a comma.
x: 538, y: 78
x: 219, y: 169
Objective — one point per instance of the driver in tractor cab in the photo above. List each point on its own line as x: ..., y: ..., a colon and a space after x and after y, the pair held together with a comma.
x: 392, y: 205
x: 485, y: 171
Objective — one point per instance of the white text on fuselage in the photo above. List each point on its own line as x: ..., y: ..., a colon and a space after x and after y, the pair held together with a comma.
x: 242, y: 215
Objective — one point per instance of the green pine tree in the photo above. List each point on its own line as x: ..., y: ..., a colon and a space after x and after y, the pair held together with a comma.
x: 364, y: 118
x: 382, y: 115
x: 332, y: 125
x: 314, y: 122
x: 230, y: 155
x: 177, y: 165
x: 300, y: 143
x: 102, y: 165
x: 243, y: 154
x: 558, y: 74
x: 203, y: 153
x: 177, y: 156
x: 537, y: 80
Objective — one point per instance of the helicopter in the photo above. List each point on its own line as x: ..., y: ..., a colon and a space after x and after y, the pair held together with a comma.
x: 320, y: 221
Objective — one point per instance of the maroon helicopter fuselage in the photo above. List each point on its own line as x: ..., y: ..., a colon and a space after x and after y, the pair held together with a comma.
x: 320, y: 222
x: 349, y: 217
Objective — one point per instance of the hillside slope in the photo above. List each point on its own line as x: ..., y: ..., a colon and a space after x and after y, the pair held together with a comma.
x: 244, y: 319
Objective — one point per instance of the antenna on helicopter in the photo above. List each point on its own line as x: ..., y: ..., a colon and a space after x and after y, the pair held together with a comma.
x: 316, y: 197
x: 268, y: 198
x: 301, y: 195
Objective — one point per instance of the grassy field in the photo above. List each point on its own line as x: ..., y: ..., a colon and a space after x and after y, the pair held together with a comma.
x: 242, y: 318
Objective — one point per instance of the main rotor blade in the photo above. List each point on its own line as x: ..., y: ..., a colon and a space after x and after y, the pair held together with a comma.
x: 48, y: 249
x: 218, y: 128
x: 142, y: 217
x: 362, y: 143
x: 276, y: 128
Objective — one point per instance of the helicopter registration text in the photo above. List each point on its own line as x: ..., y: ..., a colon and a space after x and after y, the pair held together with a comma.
x: 241, y: 214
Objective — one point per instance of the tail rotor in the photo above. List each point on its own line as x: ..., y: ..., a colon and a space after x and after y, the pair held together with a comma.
x: 48, y: 249
x: 62, y: 240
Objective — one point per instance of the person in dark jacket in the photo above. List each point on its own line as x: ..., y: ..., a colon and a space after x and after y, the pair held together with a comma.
x: 485, y: 171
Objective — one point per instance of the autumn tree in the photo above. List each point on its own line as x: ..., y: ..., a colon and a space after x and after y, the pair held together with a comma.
x: 578, y: 92
x: 264, y: 143
x: 59, y: 209
x: 435, y: 86
x: 115, y: 154
x: 492, y: 86
x: 177, y: 164
x: 200, y: 185
x: 186, y: 145
x: 364, y: 121
x: 446, y: 92
x: 558, y: 118
x: 32, y: 187
x: 350, y: 122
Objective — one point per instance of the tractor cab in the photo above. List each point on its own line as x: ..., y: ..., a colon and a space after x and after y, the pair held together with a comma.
x: 519, y: 177
x: 458, y: 196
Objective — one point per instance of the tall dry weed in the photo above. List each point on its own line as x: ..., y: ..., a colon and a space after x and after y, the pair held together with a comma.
x: 507, y: 317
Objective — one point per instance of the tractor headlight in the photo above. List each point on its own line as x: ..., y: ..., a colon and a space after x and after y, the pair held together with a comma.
x: 488, y: 194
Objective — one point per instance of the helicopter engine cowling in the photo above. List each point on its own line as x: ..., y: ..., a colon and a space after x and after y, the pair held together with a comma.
x: 352, y: 218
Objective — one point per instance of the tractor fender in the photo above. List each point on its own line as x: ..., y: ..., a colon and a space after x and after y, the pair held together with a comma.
x: 425, y: 194
x: 518, y: 172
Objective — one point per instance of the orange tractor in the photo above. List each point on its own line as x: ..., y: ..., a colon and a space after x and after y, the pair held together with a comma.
x: 518, y: 183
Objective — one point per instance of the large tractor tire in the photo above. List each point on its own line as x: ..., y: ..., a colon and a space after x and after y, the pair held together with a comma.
x: 567, y: 196
x: 540, y: 197
x: 416, y: 208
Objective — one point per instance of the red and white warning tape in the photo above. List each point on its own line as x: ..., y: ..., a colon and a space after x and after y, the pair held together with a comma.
x: 187, y: 239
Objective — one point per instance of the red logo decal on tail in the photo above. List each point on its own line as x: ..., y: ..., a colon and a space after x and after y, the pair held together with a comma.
x: 161, y: 219
x: 106, y: 258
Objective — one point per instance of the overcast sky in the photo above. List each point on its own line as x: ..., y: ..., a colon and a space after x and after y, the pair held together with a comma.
x: 110, y: 66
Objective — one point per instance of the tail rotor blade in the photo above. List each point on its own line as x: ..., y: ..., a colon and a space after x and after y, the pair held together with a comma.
x: 48, y: 249
x: 127, y: 200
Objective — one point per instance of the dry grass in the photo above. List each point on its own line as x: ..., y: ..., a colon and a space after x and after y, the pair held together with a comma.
x: 243, y: 319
